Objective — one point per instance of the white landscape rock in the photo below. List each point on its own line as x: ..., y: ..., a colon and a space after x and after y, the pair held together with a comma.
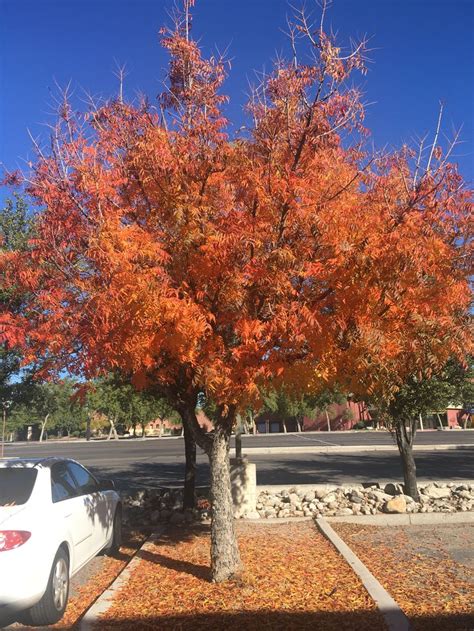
x: 397, y: 504
x: 150, y: 506
x: 436, y: 492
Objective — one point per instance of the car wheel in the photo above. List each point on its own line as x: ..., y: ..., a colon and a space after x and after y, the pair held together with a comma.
x: 51, y: 607
x: 116, y: 540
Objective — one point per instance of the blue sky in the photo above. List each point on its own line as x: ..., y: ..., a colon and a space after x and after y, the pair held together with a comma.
x: 423, y: 53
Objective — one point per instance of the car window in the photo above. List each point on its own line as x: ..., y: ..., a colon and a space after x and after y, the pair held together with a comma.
x: 16, y: 485
x: 63, y: 484
x: 85, y: 481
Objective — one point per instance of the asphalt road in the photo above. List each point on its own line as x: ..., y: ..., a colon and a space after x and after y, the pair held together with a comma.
x: 153, y: 463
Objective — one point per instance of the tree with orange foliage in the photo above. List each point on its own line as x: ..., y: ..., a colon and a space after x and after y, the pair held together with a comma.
x: 196, y: 262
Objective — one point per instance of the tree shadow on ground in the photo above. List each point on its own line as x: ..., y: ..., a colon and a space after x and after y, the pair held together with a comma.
x: 202, y: 572
x: 275, y: 620
x: 173, y: 537
x: 280, y: 469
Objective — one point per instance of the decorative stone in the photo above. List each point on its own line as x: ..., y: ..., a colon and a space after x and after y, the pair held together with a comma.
x: 380, y: 496
x: 435, y: 492
x: 177, y: 518
x: 345, y: 511
x: 397, y: 504
x: 155, y: 516
x: 294, y: 499
x: 393, y: 489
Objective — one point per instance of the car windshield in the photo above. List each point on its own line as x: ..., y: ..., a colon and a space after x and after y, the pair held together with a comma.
x: 16, y: 485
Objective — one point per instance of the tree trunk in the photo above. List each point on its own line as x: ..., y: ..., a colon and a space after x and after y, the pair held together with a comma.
x: 421, y: 423
x: 189, y: 491
x: 285, y: 430
x: 439, y: 421
x: 405, y: 447
x: 328, y: 420
x: 238, y: 437
x: 88, y: 427
x: 409, y: 472
x: 112, y: 429
x: 43, y: 425
x: 253, y: 424
x: 225, y: 557
x: 298, y: 424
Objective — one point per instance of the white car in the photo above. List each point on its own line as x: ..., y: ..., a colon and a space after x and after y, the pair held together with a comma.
x: 55, y: 516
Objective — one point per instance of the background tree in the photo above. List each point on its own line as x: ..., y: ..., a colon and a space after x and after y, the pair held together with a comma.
x: 49, y: 405
x: 286, y: 255
x: 16, y: 228
x: 298, y: 406
x: 422, y: 394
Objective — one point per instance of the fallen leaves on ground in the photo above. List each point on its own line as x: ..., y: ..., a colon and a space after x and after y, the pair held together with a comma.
x: 98, y: 582
x: 428, y: 570
x: 293, y: 580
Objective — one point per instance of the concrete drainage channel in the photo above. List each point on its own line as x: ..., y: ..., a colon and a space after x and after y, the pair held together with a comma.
x: 394, y: 617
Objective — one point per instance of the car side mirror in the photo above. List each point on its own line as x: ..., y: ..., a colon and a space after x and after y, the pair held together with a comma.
x: 106, y: 485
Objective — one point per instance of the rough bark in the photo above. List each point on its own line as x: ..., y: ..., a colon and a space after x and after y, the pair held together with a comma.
x: 405, y: 441
x: 189, y: 492
x: 225, y: 557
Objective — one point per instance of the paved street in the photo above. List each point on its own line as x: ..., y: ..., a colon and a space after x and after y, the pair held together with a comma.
x: 136, y: 463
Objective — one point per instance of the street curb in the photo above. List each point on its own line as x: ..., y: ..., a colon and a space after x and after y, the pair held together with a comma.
x: 105, y: 600
x: 343, y: 449
x: 394, y: 617
x: 405, y: 519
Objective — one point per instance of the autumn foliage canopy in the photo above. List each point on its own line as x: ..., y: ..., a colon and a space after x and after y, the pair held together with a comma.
x: 193, y: 259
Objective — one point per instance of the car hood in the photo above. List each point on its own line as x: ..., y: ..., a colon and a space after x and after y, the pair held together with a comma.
x: 7, y: 512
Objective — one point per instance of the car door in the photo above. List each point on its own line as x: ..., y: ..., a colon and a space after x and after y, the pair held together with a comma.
x: 97, y: 505
x: 70, y: 506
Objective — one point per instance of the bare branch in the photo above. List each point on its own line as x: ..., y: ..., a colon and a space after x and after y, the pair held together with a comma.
x: 438, y: 126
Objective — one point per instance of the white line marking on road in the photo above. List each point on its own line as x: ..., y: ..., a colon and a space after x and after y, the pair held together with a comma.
x: 314, y: 440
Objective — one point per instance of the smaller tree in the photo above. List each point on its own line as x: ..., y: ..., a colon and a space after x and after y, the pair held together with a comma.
x: 420, y: 395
